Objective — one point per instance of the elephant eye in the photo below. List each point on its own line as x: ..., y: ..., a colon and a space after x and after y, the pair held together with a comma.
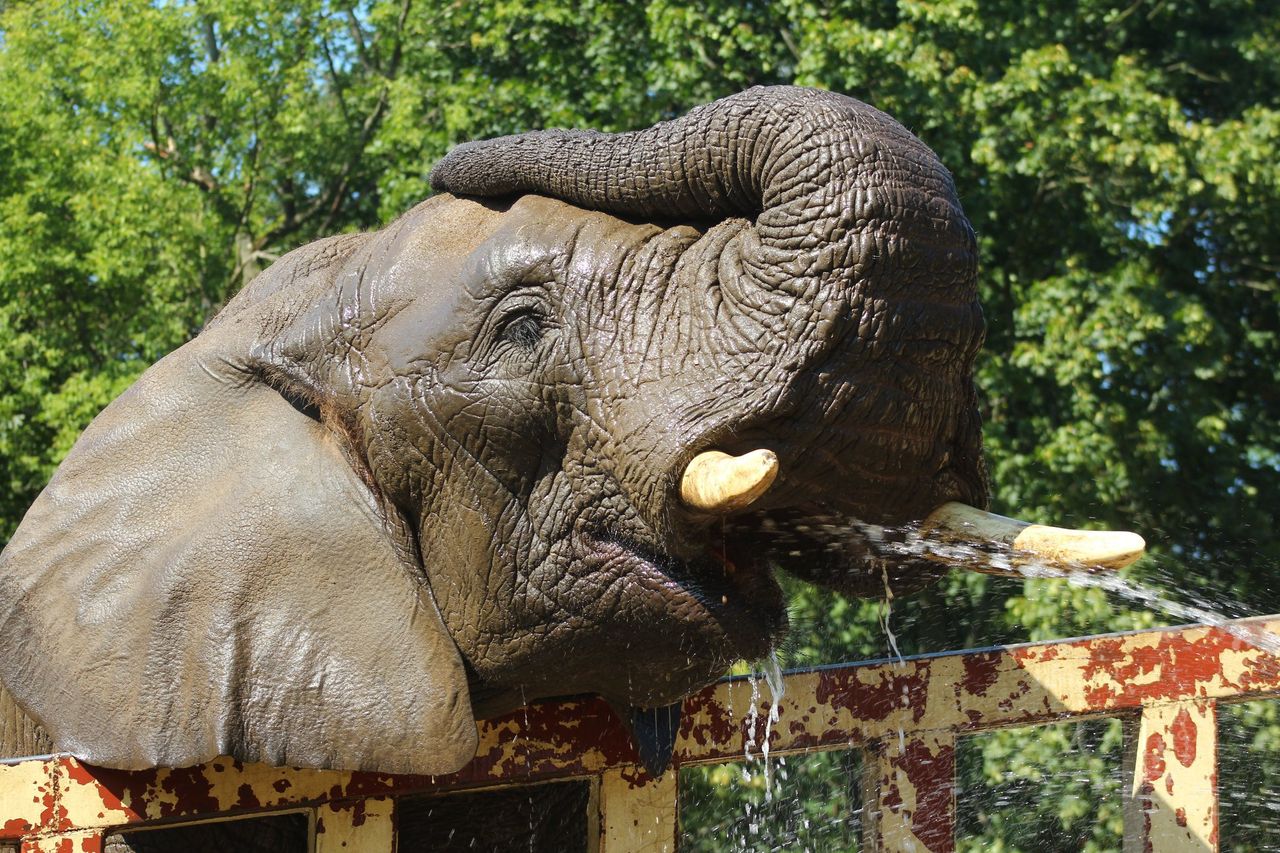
x: 523, y: 330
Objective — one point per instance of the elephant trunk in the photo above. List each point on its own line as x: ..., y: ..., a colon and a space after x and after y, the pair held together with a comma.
x: 836, y: 188
x: 856, y: 274
x: 855, y: 230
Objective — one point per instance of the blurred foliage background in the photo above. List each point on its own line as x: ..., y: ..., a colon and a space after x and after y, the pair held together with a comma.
x: 1118, y: 159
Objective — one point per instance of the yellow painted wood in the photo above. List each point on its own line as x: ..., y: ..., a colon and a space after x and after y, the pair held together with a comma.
x: 26, y: 793
x: 908, y: 794
x: 355, y: 826
x: 80, y: 841
x: 230, y: 785
x: 1172, y: 803
x: 638, y: 814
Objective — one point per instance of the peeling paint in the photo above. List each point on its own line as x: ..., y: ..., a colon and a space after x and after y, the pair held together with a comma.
x: 911, y: 793
x: 907, y: 713
x: 1173, y: 800
x: 1184, y: 738
x: 25, y: 798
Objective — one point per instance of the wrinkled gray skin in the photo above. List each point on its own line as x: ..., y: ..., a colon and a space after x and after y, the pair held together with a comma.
x: 430, y: 472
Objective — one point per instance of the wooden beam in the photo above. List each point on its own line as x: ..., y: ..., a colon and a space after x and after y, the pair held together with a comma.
x: 356, y: 826
x: 1172, y: 759
x: 637, y: 812
x: 909, y: 794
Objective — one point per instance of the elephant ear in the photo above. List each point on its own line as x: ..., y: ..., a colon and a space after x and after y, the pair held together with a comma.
x: 207, y: 574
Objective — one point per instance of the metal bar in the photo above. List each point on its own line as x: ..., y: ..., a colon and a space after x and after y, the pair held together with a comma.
x: 638, y: 812
x: 26, y: 798
x: 1172, y: 803
x: 909, y: 794
x: 100, y: 797
x: 594, y: 831
x: 966, y: 692
x: 356, y: 825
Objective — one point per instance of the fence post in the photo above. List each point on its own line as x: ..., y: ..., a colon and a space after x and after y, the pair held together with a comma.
x: 27, y: 792
x: 638, y: 812
x: 909, y: 794
x: 355, y: 826
x: 1172, y: 764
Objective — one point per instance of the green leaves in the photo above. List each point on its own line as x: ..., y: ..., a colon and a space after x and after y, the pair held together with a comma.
x: 1118, y: 161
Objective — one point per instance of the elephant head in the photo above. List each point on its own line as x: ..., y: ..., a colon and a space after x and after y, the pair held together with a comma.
x: 548, y: 433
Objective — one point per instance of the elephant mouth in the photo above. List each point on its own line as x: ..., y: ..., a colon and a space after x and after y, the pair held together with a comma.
x: 704, y: 594
x: 730, y: 590
x: 727, y: 576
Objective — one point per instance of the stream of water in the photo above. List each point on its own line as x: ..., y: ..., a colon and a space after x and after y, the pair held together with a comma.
x: 907, y: 543
x: 780, y: 814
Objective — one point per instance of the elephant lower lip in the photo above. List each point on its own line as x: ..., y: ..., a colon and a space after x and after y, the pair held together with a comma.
x: 735, y: 592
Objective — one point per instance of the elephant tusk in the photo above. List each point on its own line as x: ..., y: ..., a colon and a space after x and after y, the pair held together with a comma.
x: 1060, y: 548
x: 718, y: 483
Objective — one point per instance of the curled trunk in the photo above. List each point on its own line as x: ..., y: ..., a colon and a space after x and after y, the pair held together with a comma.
x: 834, y: 186
x: 855, y: 233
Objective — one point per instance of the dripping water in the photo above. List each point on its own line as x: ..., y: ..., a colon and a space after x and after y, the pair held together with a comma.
x: 785, y: 824
x: 771, y: 670
x: 773, y: 679
x: 908, y: 543
x: 753, y: 716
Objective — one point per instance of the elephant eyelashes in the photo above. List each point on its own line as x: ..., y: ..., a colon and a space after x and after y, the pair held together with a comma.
x: 300, y: 403
x: 523, y: 330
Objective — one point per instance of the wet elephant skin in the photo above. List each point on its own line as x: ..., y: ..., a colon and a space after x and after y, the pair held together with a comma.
x: 429, y: 473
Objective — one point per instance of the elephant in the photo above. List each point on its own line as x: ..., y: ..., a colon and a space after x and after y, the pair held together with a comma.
x: 551, y: 432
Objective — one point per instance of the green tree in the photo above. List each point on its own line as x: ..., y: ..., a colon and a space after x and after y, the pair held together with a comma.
x: 154, y: 157
x: 1118, y: 160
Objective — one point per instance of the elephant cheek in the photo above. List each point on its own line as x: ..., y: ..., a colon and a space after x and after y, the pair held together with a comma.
x: 457, y: 540
x: 668, y: 630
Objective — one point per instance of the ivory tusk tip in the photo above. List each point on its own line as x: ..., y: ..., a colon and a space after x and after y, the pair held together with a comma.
x: 763, y: 460
x: 1108, y: 549
x: 1105, y: 549
x: 716, y: 482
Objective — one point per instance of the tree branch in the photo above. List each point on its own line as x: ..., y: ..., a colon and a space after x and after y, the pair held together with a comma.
x: 330, y: 202
x: 357, y: 36
x: 211, y: 39
x: 790, y: 42
x: 198, y: 175
x: 333, y: 78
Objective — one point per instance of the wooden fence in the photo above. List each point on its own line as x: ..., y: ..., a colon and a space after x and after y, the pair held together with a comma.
x: 906, y: 715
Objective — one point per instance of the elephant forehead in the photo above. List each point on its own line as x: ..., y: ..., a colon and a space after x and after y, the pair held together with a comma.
x: 545, y: 239
x: 411, y: 282
x: 443, y: 228
x: 423, y: 254
x: 444, y: 291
